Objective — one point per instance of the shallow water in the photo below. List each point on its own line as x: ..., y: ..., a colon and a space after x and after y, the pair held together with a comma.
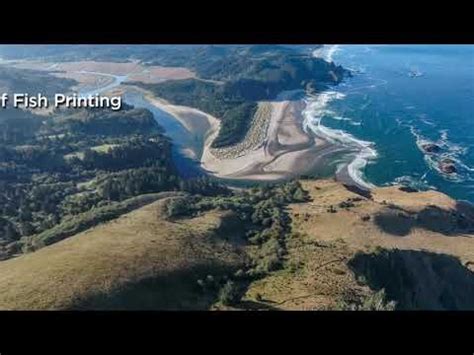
x: 173, y: 129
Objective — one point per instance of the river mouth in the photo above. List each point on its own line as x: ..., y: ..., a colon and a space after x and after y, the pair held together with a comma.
x: 185, y: 141
x: 188, y: 144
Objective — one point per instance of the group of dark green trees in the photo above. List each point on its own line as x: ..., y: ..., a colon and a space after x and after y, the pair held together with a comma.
x: 263, y: 220
x: 237, y: 78
x: 77, y: 160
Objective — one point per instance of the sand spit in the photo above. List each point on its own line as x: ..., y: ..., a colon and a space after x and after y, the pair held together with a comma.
x: 276, y: 146
x: 193, y: 120
x: 285, y: 151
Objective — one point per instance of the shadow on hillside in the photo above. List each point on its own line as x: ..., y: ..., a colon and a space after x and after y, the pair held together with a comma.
x: 290, y: 95
x: 231, y: 229
x: 176, y: 290
x: 359, y: 190
x: 255, y: 306
x: 399, y: 222
x: 417, y: 280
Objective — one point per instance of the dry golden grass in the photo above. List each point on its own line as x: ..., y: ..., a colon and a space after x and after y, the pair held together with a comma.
x: 138, y: 261
x: 142, y: 261
x: 314, y: 220
x: 317, y: 275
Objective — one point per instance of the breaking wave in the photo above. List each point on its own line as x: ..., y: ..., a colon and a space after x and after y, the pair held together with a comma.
x: 448, y: 150
x: 360, y: 152
x: 419, y: 183
x: 326, y: 52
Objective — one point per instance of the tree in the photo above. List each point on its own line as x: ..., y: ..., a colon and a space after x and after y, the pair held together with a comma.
x: 229, y: 293
x: 26, y: 228
x: 25, y: 214
x: 299, y: 195
x: 177, y: 207
x: 10, y: 232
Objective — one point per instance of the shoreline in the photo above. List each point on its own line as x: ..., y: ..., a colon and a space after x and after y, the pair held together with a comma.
x: 363, y: 151
x: 286, y: 149
x: 278, y: 145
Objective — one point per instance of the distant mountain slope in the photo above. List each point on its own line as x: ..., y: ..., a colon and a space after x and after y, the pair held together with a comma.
x: 168, y: 55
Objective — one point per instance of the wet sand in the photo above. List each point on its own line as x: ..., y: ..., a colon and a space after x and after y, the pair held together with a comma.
x: 276, y: 146
x: 286, y: 151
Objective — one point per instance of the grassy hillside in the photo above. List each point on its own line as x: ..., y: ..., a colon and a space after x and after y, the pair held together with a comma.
x: 83, y: 221
x: 272, y: 247
x: 139, y: 261
x: 176, y: 253
x: 353, y: 252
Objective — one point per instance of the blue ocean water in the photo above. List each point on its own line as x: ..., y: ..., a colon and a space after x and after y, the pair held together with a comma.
x: 400, y: 97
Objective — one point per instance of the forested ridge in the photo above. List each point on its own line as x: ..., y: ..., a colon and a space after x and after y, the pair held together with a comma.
x: 237, y: 78
x: 55, y: 167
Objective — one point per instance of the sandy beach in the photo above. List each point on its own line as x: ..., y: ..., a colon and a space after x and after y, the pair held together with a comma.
x: 195, y: 121
x: 285, y: 151
x: 276, y: 146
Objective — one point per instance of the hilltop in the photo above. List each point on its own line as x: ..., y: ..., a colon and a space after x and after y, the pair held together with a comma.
x: 138, y: 261
x: 324, y: 246
x: 349, y: 251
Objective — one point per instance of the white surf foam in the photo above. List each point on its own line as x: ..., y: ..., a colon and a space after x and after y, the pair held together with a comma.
x: 316, y: 109
x: 346, y: 119
x: 449, y: 150
x: 331, y: 51
x: 326, y: 52
x: 363, y: 150
x: 414, y: 182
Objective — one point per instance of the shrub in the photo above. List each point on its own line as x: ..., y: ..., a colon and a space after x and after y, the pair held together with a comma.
x: 239, y: 274
x: 229, y: 293
x: 375, y: 302
x: 177, y: 207
x: 378, y: 302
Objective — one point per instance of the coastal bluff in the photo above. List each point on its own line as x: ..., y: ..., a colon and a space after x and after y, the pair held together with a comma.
x: 415, y: 248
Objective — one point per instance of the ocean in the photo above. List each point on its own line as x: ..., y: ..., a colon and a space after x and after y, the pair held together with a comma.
x: 399, y: 98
